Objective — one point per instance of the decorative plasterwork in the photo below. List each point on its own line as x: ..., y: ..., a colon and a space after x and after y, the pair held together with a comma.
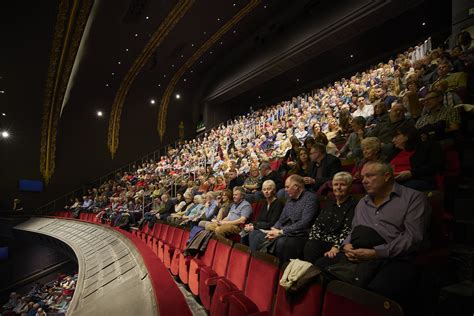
x: 70, y: 23
x: 165, y: 27
x: 208, y: 44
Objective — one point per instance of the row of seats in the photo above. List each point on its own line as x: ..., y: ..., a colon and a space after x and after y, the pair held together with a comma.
x: 231, y: 280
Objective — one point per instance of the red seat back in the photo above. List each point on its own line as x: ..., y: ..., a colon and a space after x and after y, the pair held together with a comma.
x: 221, y: 257
x: 262, y: 279
x: 305, y: 302
x: 178, y: 234
x: 184, y: 239
x: 169, y: 235
x: 164, y: 231
x: 238, y: 264
x: 208, y: 255
x: 345, y: 299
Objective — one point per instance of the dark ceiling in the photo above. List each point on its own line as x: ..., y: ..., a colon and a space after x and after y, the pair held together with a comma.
x: 273, y: 50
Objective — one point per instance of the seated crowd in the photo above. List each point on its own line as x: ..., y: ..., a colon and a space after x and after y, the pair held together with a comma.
x: 51, y: 298
x: 387, y: 127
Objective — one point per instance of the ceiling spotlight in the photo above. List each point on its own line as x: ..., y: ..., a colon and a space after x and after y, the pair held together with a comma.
x: 119, y: 62
x: 4, y: 114
x: 5, y: 134
x: 113, y: 74
x: 200, y: 62
x: 264, y: 6
x: 234, y: 31
x: 106, y: 84
x: 210, y: 52
x: 136, y: 34
x: 218, y: 19
x: 221, y: 43
x: 351, y: 56
x: 147, y: 17
x: 152, y: 101
x: 184, y: 79
x: 205, y: 32
x: 423, y: 24
x: 259, y: 97
x: 191, y: 71
x: 233, y: 4
x: 2, y: 91
x: 192, y: 45
x: 182, y: 56
x: 172, y: 65
x: 297, y: 80
x: 164, y: 76
x: 178, y: 96
x: 99, y: 113
x: 159, y: 85
x: 126, y: 49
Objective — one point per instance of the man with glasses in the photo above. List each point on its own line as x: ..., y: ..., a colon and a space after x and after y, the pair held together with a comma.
x: 325, y: 166
x: 437, y: 119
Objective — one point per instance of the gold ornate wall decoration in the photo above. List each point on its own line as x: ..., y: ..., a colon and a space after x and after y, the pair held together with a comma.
x: 163, y: 110
x: 165, y: 27
x: 69, y: 28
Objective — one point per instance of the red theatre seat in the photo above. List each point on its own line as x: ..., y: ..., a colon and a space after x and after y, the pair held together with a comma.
x: 234, y: 280
x: 169, y: 248
x: 156, y: 233
x: 162, y: 235
x: 167, y: 239
x: 174, y: 268
x: 261, y: 284
x: 218, y: 269
x: 345, y: 299
x: 189, y: 267
x: 306, y: 302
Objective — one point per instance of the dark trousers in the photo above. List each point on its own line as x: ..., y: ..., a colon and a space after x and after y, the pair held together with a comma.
x: 315, y: 250
x: 286, y: 247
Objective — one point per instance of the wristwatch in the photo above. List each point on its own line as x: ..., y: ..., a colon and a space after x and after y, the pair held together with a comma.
x: 337, y: 247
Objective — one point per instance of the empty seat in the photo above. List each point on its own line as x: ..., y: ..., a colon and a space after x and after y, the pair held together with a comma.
x: 189, y: 267
x: 156, y: 233
x: 345, y: 299
x: 307, y: 301
x: 234, y: 280
x: 218, y: 268
x: 174, y: 268
x: 163, y: 233
x: 261, y: 283
x: 166, y: 239
x: 169, y: 248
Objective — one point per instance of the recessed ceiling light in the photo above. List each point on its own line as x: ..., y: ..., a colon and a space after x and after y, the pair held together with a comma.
x: 136, y: 34
x: 113, y: 74
x: 205, y: 32
x: 126, y: 49
x: 4, y: 114
x: 259, y: 97
x: 218, y: 19
x: 351, y: 56
x: 152, y: 101
x: 210, y: 52
x: 164, y: 76
x: 147, y: 17
x: 297, y: 80
x: 178, y: 96
x: 200, y: 62
x: 182, y: 56
x: 234, y: 31
x: 192, y: 45
x: 264, y: 6
x: 191, y: 71
x: 184, y: 80
x: 2, y: 91
x: 159, y: 85
x: 99, y: 113
x: 221, y: 43
x: 172, y: 65
x: 5, y: 134
x: 233, y: 4
x: 423, y: 24
x: 106, y: 84
x: 119, y: 62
